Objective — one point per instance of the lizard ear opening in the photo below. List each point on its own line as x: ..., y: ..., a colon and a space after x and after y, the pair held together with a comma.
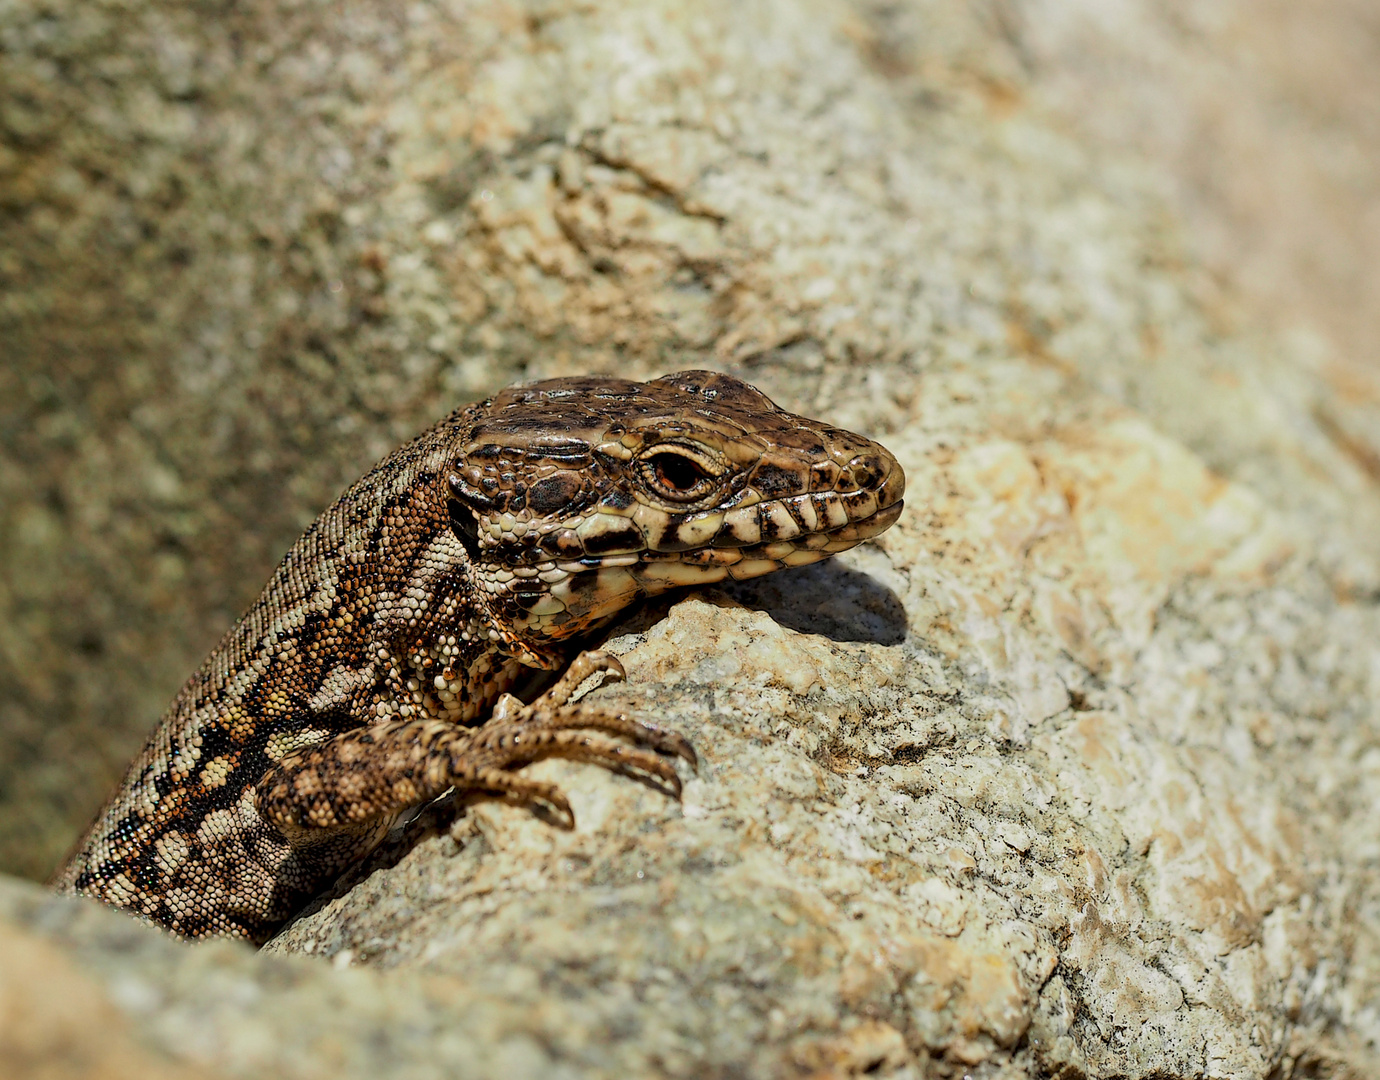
x: 465, y: 526
x: 464, y: 522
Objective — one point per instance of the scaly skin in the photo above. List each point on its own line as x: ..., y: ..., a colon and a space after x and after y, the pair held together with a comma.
x: 372, y: 673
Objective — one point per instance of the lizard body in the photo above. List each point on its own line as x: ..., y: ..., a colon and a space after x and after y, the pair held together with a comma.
x: 372, y: 673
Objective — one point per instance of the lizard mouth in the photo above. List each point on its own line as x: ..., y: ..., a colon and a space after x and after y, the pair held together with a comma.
x: 789, y: 531
x: 659, y: 570
x: 868, y: 527
x: 661, y: 550
x: 601, y: 564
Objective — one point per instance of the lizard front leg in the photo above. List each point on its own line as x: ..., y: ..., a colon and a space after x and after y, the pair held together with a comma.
x: 374, y: 772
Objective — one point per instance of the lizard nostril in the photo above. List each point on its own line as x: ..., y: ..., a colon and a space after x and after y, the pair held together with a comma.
x: 866, y: 470
x: 873, y: 469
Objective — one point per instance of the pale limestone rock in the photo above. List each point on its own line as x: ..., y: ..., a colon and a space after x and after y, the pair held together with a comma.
x: 1072, y: 772
x: 1021, y: 787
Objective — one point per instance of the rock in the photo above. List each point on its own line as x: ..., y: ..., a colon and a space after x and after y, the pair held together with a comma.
x: 56, y: 1019
x: 1063, y: 824
x: 90, y: 993
x: 1070, y: 773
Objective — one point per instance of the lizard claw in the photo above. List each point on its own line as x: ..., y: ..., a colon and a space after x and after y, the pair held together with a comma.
x: 522, y: 789
x: 668, y: 741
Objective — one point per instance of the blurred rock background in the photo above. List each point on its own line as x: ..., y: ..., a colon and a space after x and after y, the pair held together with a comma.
x: 245, y: 250
x: 1098, y: 271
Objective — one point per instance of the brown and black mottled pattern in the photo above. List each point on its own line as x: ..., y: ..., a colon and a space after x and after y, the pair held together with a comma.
x: 372, y: 674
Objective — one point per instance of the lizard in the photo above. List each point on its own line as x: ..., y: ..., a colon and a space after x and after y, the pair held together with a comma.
x: 373, y: 674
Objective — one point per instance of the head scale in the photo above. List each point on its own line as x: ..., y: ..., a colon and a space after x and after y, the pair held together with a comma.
x: 575, y: 496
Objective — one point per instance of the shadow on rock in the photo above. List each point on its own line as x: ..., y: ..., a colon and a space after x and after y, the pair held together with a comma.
x: 829, y: 599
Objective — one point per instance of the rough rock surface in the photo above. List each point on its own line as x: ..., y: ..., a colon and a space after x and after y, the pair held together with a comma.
x: 1073, y: 772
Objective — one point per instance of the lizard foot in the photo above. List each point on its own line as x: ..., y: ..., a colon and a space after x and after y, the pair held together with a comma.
x: 575, y: 732
x: 374, y: 771
x: 590, y: 662
x: 519, y: 734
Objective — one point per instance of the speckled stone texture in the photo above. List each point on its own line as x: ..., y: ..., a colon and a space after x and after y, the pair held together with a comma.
x: 1073, y: 772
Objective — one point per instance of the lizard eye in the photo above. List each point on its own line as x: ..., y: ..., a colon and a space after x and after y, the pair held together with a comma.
x: 678, y: 473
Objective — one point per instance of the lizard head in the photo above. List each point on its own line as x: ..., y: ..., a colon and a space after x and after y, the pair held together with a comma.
x: 574, y: 497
